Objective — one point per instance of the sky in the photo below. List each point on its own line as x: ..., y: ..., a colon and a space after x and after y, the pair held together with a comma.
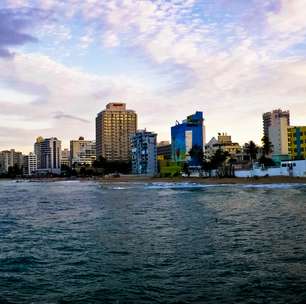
x: 61, y: 62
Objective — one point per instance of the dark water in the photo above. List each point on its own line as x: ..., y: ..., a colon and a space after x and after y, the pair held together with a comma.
x: 80, y: 242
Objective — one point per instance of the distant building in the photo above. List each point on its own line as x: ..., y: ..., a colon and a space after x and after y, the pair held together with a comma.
x: 30, y: 164
x: 224, y: 143
x: 186, y: 135
x: 144, y: 153
x: 37, y: 150
x: 65, y: 158
x: 82, y: 152
x: 10, y: 158
x: 297, y: 142
x: 164, y: 150
x: 278, y: 136
x: 48, y: 153
x: 115, y: 127
x: 270, y: 119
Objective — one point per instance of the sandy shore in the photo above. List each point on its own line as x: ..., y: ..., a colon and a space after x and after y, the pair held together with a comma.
x: 262, y: 180
x: 138, y: 179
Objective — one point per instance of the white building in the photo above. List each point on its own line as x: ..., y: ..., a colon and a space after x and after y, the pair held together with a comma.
x: 30, y: 164
x: 10, y: 158
x: 144, y: 153
x: 278, y: 136
x: 82, y: 152
x: 48, y: 155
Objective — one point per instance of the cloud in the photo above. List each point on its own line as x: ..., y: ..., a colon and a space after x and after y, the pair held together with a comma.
x: 12, y: 30
x: 60, y: 115
x: 202, y: 55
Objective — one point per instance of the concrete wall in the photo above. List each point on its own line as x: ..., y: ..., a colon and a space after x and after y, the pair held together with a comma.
x: 288, y: 168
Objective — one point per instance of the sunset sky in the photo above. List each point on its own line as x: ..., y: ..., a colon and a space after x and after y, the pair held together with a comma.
x: 62, y: 61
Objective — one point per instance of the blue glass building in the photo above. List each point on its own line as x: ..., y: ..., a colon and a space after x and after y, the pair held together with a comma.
x: 185, y: 135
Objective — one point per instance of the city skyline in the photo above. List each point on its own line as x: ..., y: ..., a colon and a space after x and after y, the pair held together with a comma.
x: 61, y: 63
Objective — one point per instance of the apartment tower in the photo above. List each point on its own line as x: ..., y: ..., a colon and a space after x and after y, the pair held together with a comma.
x: 115, y: 127
x: 272, y: 118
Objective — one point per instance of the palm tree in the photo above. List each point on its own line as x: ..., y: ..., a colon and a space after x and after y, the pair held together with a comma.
x: 267, y: 147
x: 251, y: 150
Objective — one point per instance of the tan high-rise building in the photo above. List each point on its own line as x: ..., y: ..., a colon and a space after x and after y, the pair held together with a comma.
x: 115, y: 127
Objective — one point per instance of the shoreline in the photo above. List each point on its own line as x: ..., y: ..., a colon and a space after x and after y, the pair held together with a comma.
x: 198, y: 180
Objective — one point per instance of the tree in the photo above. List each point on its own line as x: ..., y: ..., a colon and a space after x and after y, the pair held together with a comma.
x: 218, y: 158
x: 267, y: 146
x: 196, y: 153
x: 252, y: 150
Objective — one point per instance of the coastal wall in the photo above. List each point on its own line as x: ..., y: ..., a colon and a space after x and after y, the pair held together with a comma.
x: 288, y: 168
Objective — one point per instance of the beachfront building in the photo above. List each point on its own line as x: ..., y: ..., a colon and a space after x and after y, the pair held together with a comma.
x: 48, y: 151
x: 30, y: 164
x: 297, y: 142
x: 82, y: 152
x: 115, y: 127
x: 10, y: 158
x: 187, y: 135
x: 144, y: 153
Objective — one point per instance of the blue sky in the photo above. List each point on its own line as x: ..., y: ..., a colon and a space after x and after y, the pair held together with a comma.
x: 62, y: 61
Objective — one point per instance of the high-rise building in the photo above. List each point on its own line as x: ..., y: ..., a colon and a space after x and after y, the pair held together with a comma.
x: 10, y: 158
x: 82, y: 152
x: 269, y: 119
x: 37, y: 150
x: 48, y: 153
x: 115, y: 127
x: 29, y: 164
x: 297, y: 142
x: 278, y: 136
x: 144, y: 153
x: 186, y: 135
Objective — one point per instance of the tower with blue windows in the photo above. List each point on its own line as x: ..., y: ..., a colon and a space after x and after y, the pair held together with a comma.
x: 187, y: 135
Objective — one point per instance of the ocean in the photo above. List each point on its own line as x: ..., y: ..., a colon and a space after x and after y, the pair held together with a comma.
x: 87, y: 242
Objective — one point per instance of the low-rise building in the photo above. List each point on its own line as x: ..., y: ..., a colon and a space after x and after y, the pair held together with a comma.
x: 297, y: 142
x: 144, y: 153
x: 164, y: 150
x: 82, y: 152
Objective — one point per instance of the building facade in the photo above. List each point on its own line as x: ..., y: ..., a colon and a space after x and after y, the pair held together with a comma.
x: 164, y: 150
x: 65, y: 158
x: 186, y: 135
x: 30, y: 164
x: 271, y: 118
x: 297, y: 142
x: 115, y: 127
x: 10, y: 158
x: 82, y: 152
x: 48, y: 155
x: 144, y: 153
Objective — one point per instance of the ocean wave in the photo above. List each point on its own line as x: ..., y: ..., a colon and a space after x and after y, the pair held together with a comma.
x: 275, y: 186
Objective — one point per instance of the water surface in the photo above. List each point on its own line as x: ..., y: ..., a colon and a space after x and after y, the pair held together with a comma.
x: 83, y: 242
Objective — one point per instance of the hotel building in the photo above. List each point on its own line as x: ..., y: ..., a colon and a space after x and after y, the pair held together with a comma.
x: 115, y: 127
x: 297, y: 142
